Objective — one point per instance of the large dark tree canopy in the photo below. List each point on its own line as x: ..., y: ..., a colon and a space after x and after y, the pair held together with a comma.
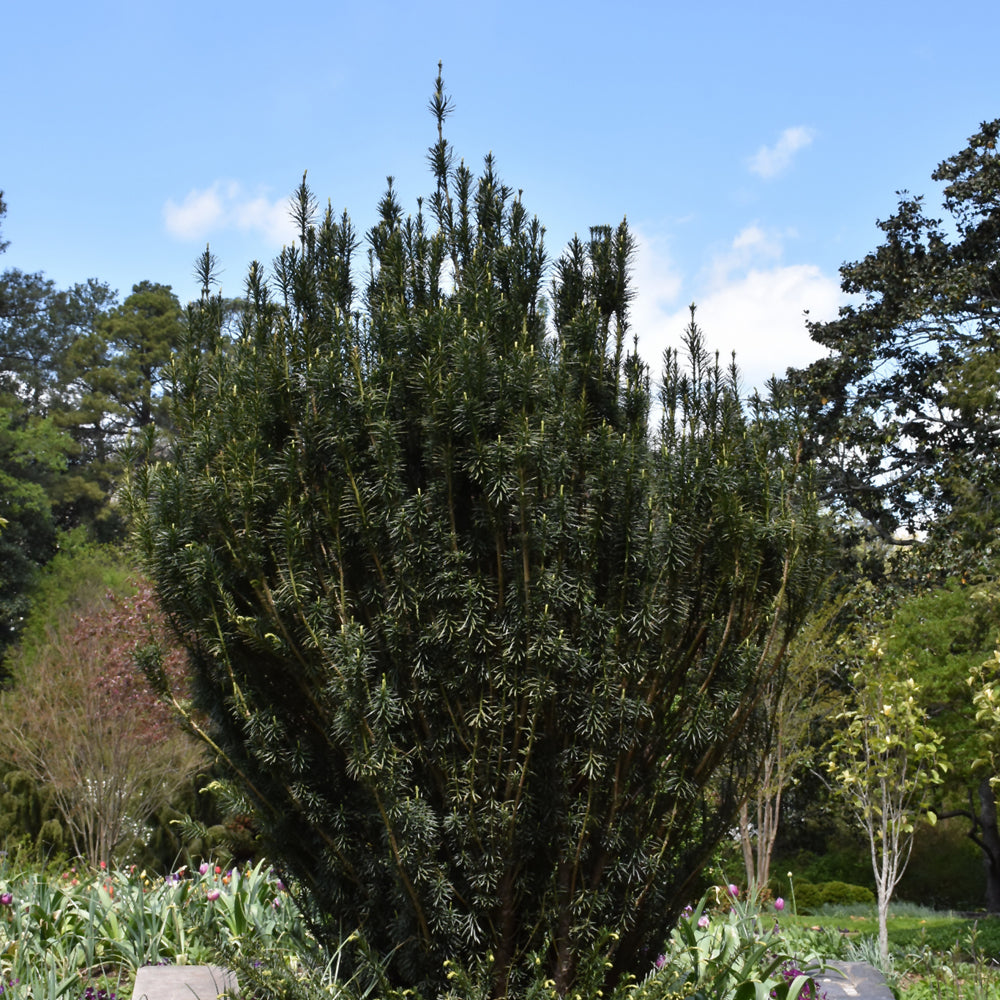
x: 904, y: 413
x: 486, y: 650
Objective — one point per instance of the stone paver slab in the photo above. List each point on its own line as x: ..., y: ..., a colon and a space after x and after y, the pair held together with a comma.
x: 184, y: 982
x: 852, y: 981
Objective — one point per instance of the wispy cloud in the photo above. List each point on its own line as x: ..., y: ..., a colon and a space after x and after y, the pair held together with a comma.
x: 752, y: 246
x: 769, y: 161
x: 225, y: 205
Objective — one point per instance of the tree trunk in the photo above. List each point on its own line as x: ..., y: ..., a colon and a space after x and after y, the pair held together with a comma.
x: 990, y: 844
x: 746, y: 842
x: 883, y: 925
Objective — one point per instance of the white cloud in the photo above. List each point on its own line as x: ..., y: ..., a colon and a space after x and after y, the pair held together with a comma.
x: 747, y: 300
x: 225, y: 205
x: 761, y: 315
x: 270, y: 218
x: 769, y: 161
x: 196, y: 215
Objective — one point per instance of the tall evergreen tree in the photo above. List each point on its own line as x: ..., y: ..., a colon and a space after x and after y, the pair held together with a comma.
x: 486, y: 652
x: 120, y: 366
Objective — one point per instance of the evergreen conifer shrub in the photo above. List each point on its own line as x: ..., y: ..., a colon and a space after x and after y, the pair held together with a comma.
x: 483, y: 642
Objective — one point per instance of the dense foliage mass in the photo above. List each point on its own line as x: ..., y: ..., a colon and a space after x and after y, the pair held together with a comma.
x: 486, y: 650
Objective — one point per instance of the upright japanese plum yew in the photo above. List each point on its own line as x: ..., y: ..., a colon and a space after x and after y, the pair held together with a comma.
x: 485, y: 648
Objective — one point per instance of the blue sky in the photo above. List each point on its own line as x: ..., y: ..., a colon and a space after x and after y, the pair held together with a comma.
x: 752, y: 146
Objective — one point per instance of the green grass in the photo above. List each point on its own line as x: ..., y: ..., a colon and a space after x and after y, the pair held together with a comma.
x: 934, y: 955
x: 910, y: 927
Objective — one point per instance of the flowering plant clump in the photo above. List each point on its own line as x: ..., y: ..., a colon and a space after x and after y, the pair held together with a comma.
x: 56, y: 931
x: 790, y: 972
x: 730, y: 954
x: 82, y: 935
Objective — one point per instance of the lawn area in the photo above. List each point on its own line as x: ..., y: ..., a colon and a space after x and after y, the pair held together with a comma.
x: 935, y: 955
x: 910, y: 927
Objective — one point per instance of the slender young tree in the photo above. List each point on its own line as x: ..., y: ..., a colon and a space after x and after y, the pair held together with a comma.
x: 884, y: 761
x: 487, y: 651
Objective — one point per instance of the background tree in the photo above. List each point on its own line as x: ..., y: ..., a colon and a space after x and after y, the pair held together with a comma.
x: 44, y: 486
x: 32, y: 454
x: 78, y: 371
x: 3, y: 211
x: 904, y: 413
x: 120, y: 366
x: 3, y: 247
x: 96, y: 367
x: 884, y: 761
x: 81, y: 720
x: 488, y: 658
x: 38, y: 327
x: 903, y: 420
x: 37, y: 331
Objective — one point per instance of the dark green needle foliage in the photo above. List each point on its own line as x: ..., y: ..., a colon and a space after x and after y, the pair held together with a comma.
x: 485, y: 650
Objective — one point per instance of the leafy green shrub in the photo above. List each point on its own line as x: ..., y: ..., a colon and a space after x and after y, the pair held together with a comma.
x: 29, y: 817
x: 847, y: 860
x: 810, y: 897
x: 844, y: 894
x: 945, y: 869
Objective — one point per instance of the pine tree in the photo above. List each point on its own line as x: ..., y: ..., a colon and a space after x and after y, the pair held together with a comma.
x: 486, y: 652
